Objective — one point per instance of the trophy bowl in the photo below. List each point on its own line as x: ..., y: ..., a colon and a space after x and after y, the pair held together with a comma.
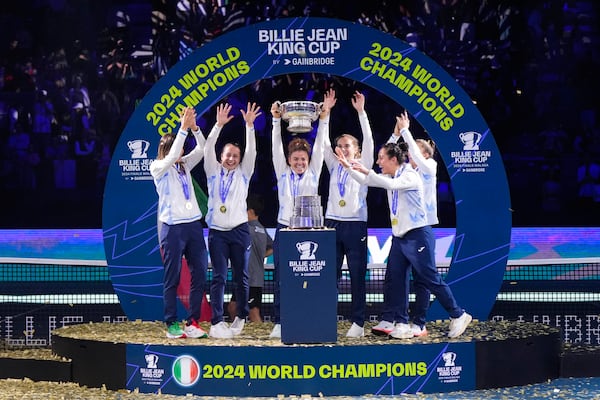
x: 300, y: 115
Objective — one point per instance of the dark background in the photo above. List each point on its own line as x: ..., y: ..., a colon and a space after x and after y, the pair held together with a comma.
x: 531, y: 67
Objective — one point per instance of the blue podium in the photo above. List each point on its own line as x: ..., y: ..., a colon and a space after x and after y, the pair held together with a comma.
x: 307, y: 279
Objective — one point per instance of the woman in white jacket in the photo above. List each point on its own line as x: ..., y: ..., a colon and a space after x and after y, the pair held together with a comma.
x: 297, y: 175
x: 179, y: 216
x: 347, y: 212
x: 420, y: 155
x: 412, y: 242
x: 228, y: 180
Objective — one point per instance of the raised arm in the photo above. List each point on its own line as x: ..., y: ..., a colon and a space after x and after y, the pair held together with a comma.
x: 409, y: 180
x: 195, y: 156
x: 396, y: 134
x: 278, y: 154
x: 210, y: 155
x: 188, y: 120
x: 368, y: 145
x: 355, y: 169
x: 428, y: 167
x: 252, y: 111
x: 316, y: 159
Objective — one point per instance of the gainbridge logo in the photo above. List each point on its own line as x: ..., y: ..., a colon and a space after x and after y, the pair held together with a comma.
x: 186, y: 371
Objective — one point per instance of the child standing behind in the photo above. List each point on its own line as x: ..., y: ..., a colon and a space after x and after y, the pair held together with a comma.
x: 262, y: 246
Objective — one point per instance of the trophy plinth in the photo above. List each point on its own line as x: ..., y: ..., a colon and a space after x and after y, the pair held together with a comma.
x: 300, y: 115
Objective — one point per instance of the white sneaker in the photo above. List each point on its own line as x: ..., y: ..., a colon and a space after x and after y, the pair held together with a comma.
x: 383, y: 328
x: 417, y: 331
x: 401, y: 331
x: 458, y: 325
x: 276, y: 332
x: 237, y: 325
x: 355, y: 331
x: 193, y: 330
x: 220, y: 331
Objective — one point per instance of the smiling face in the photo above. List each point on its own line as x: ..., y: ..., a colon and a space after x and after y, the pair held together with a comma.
x: 230, y: 156
x: 388, y: 164
x: 298, y: 161
x: 349, y: 146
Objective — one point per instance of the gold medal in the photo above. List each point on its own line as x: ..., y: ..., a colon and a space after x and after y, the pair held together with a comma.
x: 394, y: 221
x: 342, y: 203
x: 223, y: 209
x: 188, y: 205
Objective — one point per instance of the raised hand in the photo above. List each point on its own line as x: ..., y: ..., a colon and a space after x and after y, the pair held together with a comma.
x: 252, y: 111
x: 339, y: 154
x: 188, y: 119
x: 329, y: 101
x: 223, y: 116
x: 355, y: 165
x: 358, y: 101
x: 275, y: 111
x: 402, y: 122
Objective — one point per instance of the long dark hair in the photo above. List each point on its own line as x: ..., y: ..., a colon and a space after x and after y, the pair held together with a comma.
x: 164, y: 146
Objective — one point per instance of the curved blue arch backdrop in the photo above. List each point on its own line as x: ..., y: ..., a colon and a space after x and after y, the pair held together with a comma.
x: 318, y: 45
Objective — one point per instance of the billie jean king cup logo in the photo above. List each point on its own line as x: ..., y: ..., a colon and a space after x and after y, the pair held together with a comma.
x: 138, y: 148
x: 151, y: 360
x: 470, y: 140
x: 307, y: 249
x: 449, y: 359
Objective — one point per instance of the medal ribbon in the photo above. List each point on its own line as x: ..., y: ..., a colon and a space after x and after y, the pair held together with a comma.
x: 342, y: 177
x: 184, y: 180
x: 395, y: 192
x: 224, y: 188
x: 295, y: 183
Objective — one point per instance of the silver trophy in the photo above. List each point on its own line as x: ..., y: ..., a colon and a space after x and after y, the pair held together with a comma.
x: 300, y: 115
x: 308, y: 212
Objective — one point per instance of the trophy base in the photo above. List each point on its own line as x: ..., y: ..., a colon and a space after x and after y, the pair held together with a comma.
x: 299, y: 125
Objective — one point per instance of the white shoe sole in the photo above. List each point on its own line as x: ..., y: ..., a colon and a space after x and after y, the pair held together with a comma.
x: 469, y: 319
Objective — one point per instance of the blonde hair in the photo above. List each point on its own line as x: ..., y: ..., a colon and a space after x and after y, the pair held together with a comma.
x: 428, y: 145
x: 353, y: 140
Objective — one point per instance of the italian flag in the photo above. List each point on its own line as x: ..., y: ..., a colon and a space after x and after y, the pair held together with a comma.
x: 186, y: 370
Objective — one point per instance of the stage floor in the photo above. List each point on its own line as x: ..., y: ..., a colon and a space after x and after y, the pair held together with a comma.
x: 257, y: 334
x: 136, y: 354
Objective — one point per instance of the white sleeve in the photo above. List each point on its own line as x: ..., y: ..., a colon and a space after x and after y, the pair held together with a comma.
x: 159, y: 167
x: 357, y: 176
x: 368, y: 145
x: 279, y: 162
x: 409, y: 180
x: 328, y: 154
x: 393, y: 139
x: 317, y: 156
x: 415, y: 152
x: 210, y: 155
x: 195, y: 156
x: 250, y: 151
